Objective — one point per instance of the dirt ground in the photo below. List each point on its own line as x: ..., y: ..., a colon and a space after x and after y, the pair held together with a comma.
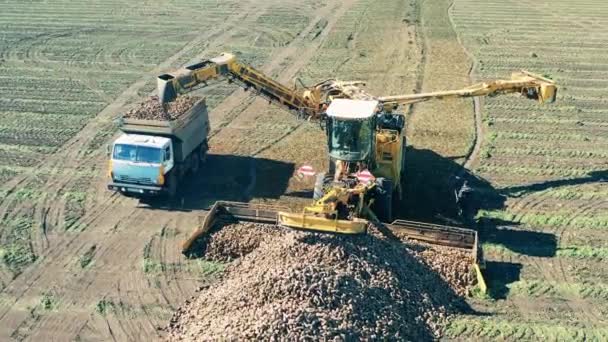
x: 543, y: 211
x: 97, y: 266
x: 79, y: 263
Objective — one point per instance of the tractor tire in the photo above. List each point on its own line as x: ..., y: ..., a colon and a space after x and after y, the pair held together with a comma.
x: 319, y: 190
x: 172, y: 186
x: 195, y: 162
x: 383, y: 205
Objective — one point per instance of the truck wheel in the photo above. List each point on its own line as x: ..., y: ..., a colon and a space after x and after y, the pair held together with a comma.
x: 403, y: 162
x: 195, y: 162
x: 383, y: 206
x: 203, y: 152
x: 319, y: 190
x: 172, y: 190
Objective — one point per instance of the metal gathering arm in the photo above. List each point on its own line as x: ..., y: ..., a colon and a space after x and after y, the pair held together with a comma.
x: 304, y: 101
x: 310, y: 102
x: 530, y: 85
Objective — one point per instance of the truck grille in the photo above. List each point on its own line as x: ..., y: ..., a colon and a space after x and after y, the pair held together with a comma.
x: 135, y: 180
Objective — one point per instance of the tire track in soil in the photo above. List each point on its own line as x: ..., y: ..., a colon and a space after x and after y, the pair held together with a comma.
x: 473, y: 153
x: 331, y: 13
x: 472, y: 156
x: 32, y: 275
x: 592, y: 316
x: 552, y: 268
x: 56, y: 275
x: 71, y: 150
x: 135, y: 293
x: 169, y: 254
x: 55, y: 253
x: 290, y: 50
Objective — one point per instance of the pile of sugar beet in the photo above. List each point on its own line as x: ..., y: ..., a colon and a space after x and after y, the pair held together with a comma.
x: 285, y: 284
x: 151, y: 109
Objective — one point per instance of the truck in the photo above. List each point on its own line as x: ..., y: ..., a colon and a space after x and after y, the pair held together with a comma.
x: 151, y: 157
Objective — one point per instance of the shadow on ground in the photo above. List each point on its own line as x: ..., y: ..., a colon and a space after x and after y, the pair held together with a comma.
x: 432, y: 189
x: 432, y: 183
x: 591, y: 177
x: 431, y: 194
x: 228, y: 178
x: 531, y: 243
x: 500, y: 274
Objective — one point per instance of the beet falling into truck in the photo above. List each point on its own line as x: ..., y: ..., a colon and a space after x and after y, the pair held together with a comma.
x: 159, y: 145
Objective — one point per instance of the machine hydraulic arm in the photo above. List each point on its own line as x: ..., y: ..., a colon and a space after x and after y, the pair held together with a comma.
x: 530, y: 85
x: 305, y: 101
x: 311, y: 102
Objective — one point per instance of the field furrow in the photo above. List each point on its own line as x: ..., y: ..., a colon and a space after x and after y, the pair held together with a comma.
x: 546, y: 240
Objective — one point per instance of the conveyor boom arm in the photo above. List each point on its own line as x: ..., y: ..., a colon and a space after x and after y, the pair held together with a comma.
x: 526, y: 83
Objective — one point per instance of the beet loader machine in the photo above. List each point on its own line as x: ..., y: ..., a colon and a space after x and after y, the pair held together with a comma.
x: 366, y: 144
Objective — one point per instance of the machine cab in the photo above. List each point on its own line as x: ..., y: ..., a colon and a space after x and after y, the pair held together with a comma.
x: 350, y: 129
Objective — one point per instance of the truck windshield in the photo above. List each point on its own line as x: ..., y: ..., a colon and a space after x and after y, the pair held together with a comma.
x: 136, y: 153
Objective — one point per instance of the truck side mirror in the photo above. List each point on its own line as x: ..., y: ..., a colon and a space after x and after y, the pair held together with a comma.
x: 108, y: 150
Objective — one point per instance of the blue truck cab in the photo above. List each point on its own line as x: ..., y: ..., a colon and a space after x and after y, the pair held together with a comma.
x: 152, y: 156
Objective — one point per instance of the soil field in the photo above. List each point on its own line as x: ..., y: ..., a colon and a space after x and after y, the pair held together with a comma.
x: 544, y: 217
x: 79, y: 263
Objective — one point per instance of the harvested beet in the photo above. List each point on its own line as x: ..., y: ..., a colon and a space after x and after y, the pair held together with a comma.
x: 292, y: 285
x: 151, y: 109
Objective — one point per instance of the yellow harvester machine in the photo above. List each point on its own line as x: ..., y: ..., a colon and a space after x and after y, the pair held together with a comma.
x: 366, y: 144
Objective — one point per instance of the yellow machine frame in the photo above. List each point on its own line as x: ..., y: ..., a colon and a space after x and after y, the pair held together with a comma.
x: 389, y: 156
x: 310, y: 103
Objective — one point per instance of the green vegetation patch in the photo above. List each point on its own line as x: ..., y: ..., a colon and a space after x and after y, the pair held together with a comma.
x: 554, y: 219
x: 48, y: 302
x: 29, y: 194
x: 18, y: 251
x: 208, y: 268
x: 541, y: 288
x: 86, y: 259
x: 74, y: 209
x: 502, y: 329
x: 105, y: 306
x: 576, y: 252
x: 152, y: 266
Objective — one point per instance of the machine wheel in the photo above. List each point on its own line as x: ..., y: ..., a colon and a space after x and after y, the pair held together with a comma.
x: 319, y: 190
x: 383, y: 206
x: 195, y: 162
x: 172, y: 189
